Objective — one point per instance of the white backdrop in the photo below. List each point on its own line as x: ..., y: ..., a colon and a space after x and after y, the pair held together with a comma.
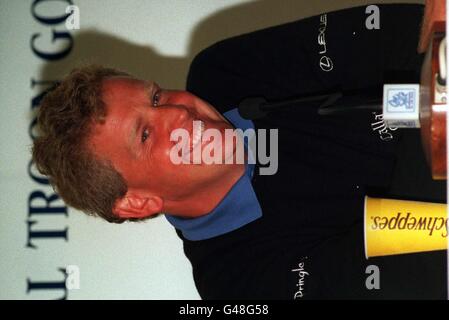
x: 154, y: 39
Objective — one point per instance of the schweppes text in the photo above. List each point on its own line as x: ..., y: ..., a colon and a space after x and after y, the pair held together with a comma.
x: 407, y: 221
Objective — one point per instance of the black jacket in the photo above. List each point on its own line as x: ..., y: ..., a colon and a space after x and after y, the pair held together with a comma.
x: 309, y: 242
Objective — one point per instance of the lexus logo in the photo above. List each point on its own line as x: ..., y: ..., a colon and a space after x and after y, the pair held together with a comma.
x: 326, y: 63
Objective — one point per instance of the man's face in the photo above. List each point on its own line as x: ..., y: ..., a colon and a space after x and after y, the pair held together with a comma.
x: 136, y: 138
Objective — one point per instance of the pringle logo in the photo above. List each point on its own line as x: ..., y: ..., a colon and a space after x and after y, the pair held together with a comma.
x: 302, y: 273
x: 407, y: 221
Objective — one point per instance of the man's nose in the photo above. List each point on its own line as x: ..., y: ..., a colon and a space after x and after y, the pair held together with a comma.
x: 172, y: 116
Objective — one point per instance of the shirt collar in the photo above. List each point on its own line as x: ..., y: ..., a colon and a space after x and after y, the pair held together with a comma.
x: 238, y: 208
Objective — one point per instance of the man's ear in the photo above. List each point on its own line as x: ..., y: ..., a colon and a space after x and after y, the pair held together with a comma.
x: 134, y: 205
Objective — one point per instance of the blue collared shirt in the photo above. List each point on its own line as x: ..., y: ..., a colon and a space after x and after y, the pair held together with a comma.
x: 238, y: 208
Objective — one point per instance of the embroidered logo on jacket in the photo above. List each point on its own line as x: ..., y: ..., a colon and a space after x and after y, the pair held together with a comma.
x: 302, y: 273
x: 381, y: 127
x: 325, y: 62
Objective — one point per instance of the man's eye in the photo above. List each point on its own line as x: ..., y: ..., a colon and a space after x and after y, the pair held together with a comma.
x: 145, y: 135
x: 156, y: 98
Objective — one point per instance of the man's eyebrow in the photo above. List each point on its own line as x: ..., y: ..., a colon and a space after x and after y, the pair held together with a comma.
x: 135, y: 129
x: 149, y: 86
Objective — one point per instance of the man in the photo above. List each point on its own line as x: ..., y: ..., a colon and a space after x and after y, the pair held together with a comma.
x: 108, y: 144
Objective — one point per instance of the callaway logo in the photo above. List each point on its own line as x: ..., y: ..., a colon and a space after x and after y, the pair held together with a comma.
x: 325, y: 62
x: 302, y: 273
x: 381, y: 127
